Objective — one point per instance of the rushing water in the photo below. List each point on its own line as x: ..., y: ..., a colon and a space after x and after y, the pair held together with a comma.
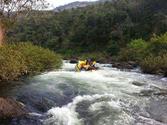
x: 104, y: 97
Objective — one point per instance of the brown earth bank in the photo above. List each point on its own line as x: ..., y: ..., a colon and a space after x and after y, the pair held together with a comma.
x: 10, y: 108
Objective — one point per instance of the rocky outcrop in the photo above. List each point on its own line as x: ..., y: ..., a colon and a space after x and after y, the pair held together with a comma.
x: 10, y: 108
x: 124, y: 65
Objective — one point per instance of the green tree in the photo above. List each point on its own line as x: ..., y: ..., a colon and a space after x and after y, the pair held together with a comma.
x: 11, y: 9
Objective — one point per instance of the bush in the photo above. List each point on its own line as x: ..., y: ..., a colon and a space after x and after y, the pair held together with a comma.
x: 37, y: 58
x: 158, y: 44
x: 155, y: 64
x: 124, y: 55
x: 24, y: 58
x: 136, y: 51
x: 12, y: 63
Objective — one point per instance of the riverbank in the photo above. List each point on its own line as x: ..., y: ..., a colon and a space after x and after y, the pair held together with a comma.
x: 23, y: 59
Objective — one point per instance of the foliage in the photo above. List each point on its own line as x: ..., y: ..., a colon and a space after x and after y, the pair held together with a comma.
x: 155, y: 64
x: 136, y: 51
x: 11, y: 10
x: 158, y: 44
x: 96, y: 56
x: 24, y: 58
x: 12, y: 63
x: 120, y: 28
x: 103, y: 27
x: 113, y: 48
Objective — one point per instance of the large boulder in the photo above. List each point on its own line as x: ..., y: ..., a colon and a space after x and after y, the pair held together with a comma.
x: 10, y: 108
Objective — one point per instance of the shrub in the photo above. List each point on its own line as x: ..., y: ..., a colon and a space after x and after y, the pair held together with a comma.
x: 124, y: 55
x: 25, y: 58
x: 158, y: 44
x: 12, y: 63
x: 37, y: 58
x: 155, y: 64
x: 136, y: 51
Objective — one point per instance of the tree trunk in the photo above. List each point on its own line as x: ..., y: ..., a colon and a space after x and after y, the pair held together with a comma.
x: 2, y: 34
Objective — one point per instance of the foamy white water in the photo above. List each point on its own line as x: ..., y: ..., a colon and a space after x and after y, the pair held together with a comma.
x: 104, y: 97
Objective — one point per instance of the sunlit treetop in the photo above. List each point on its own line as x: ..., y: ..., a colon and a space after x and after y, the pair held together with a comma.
x: 12, y: 8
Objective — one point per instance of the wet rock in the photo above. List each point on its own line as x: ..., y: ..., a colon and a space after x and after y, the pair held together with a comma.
x: 148, y: 121
x: 158, y: 91
x: 146, y: 92
x: 10, y: 108
x: 73, y: 61
x: 132, y: 63
x: 165, y: 74
x: 107, y: 60
x: 27, y: 120
x: 138, y: 83
x: 161, y: 93
x: 38, y: 102
x: 124, y: 65
x: 116, y: 65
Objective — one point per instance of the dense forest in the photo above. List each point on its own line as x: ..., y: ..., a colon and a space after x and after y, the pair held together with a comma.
x: 122, y: 29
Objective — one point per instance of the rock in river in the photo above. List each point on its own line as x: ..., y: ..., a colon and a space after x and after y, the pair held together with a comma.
x: 74, y: 61
x: 10, y: 108
x: 124, y: 65
x: 138, y: 83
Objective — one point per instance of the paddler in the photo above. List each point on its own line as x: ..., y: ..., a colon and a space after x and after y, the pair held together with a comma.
x: 86, y: 65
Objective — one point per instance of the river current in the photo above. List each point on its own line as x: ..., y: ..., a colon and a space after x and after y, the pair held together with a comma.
x: 107, y: 96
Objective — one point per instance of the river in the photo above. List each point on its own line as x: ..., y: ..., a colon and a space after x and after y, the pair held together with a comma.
x: 108, y: 96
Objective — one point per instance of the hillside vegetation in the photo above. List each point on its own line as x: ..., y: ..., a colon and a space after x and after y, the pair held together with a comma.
x: 123, y: 29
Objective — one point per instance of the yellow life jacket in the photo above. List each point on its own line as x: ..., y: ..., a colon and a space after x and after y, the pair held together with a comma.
x: 94, y: 63
x: 83, y: 65
x: 80, y: 65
